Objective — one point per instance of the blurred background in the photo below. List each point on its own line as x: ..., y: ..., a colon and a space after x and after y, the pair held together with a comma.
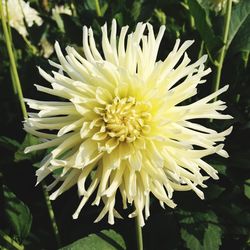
x: 221, y: 221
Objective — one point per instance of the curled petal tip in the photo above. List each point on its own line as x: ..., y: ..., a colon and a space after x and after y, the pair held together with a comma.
x: 27, y: 150
x: 75, y: 216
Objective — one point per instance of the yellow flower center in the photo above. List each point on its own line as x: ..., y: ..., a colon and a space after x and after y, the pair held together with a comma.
x: 127, y: 119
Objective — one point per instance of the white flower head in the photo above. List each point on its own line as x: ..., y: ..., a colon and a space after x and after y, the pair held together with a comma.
x: 17, y: 11
x: 124, y: 120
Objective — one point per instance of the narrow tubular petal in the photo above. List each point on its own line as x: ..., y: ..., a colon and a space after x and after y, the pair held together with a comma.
x: 45, y: 145
x: 86, y: 48
x: 67, y: 184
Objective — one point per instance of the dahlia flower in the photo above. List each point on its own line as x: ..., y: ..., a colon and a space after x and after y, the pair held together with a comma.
x: 17, y: 11
x: 123, y: 125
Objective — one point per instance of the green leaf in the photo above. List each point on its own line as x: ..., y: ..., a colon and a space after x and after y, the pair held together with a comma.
x: 9, y: 143
x: 28, y: 141
x: 136, y: 9
x: 198, y: 229
x: 105, y: 240
x: 247, y: 188
x: 239, y: 15
x: 187, y: 217
x: 90, y: 5
x: 104, y: 8
x: 241, y: 41
x: 203, y: 24
x: 119, y: 18
x: 161, y: 16
x: 213, y: 192
x: 220, y: 168
x: 191, y: 241
x: 212, y: 238
x: 17, y: 214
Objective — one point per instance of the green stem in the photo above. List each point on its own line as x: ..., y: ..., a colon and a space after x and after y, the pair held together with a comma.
x: 98, y: 9
x: 25, y: 115
x: 221, y: 57
x: 8, y: 20
x: 245, y: 58
x: 138, y: 234
x: 12, y: 62
x: 191, y: 18
x: 9, y: 30
x: 214, y: 62
x: 10, y: 241
x: 51, y: 215
x: 13, y: 81
x: 32, y: 48
x: 3, y: 248
x: 201, y: 49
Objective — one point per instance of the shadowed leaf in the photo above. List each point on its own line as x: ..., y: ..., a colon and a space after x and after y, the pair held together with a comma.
x: 17, y: 214
x: 106, y: 240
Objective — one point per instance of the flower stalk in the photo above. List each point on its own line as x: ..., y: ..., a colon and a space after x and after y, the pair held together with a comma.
x: 31, y: 47
x: 245, y: 57
x: 10, y: 241
x: 9, y: 30
x: 98, y: 9
x: 18, y: 88
x: 15, y: 76
x: 201, y: 49
x: 220, y: 60
x: 51, y: 215
x: 139, y: 237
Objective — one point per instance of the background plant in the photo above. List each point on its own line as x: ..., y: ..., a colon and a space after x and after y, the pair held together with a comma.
x: 222, y: 221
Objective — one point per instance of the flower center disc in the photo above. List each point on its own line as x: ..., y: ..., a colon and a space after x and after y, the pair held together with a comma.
x: 127, y: 119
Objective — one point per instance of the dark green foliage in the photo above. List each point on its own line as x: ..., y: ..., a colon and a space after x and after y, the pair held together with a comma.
x: 106, y: 239
x: 200, y: 230
x: 17, y: 215
x: 240, y: 18
x: 34, y: 156
x: 9, y: 143
x: 204, y: 24
x: 241, y: 42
